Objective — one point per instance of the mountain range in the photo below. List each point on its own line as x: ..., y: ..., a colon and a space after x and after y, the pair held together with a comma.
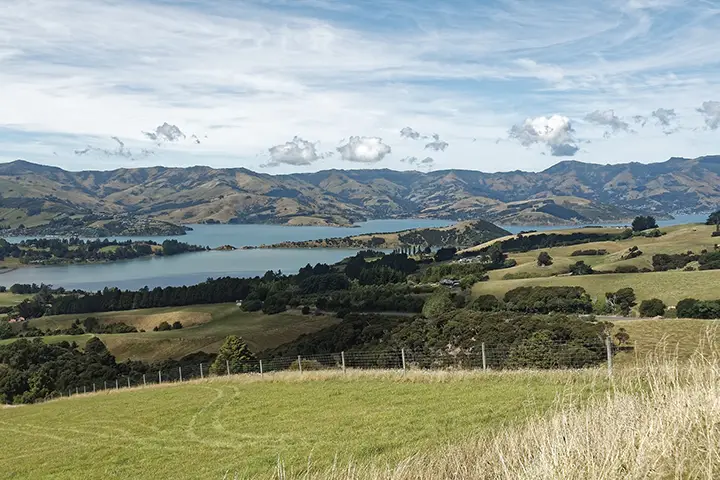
x: 568, y: 192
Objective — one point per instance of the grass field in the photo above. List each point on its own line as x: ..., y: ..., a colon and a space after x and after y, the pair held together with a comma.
x: 8, y: 299
x: 241, y: 426
x: 669, y: 286
x: 679, y: 338
x: 206, y: 326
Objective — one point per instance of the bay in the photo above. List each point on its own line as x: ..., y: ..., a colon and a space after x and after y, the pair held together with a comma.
x: 192, y: 268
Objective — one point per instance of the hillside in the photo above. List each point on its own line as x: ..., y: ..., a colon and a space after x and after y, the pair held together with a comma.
x: 567, y: 193
x: 460, y: 235
x: 670, y: 286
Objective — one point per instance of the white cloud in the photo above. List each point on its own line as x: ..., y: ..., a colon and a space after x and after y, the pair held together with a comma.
x: 364, y: 150
x: 252, y: 73
x: 165, y: 133
x: 556, y: 132
x: 610, y: 120
x: 408, y: 132
x: 711, y: 112
x: 437, y: 144
x: 296, y: 152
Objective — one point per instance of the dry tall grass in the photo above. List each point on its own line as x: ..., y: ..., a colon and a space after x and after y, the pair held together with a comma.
x: 660, y: 421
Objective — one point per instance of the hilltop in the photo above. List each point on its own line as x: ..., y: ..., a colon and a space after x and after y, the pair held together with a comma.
x: 567, y: 193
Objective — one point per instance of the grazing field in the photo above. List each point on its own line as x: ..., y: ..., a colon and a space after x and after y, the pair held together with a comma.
x: 205, y: 328
x: 238, y: 427
x: 677, y: 239
x: 8, y: 299
x: 670, y: 287
x: 679, y: 338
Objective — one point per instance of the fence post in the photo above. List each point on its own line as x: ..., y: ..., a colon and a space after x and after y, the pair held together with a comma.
x: 77, y: 391
x: 117, y: 384
x: 128, y: 382
x: 608, y: 348
x: 180, y: 371
x: 227, y: 365
x: 261, y: 370
x: 69, y: 392
x: 84, y: 389
x: 104, y: 384
x: 201, y: 372
x: 144, y: 381
x: 159, y: 376
x: 342, y: 356
x: 402, y: 354
x: 299, y: 364
x: 93, y: 388
x: 482, y: 348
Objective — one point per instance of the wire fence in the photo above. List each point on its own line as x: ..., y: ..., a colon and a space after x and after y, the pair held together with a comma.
x: 552, y: 355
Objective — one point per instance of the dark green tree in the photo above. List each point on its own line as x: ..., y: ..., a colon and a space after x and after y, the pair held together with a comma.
x: 544, y: 259
x: 652, y: 308
x: 622, y: 301
x: 235, y: 353
x: 644, y: 223
x: 581, y: 268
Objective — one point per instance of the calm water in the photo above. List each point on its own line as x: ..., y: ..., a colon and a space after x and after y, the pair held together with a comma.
x: 192, y: 268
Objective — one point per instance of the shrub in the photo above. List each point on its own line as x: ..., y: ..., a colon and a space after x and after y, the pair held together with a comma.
x: 709, y: 261
x: 686, y: 307
x: 177, y: 325
x: 588, y: 253
x: 548, y: 300
x: 626, y: 269
x: 663, y: 261
x: 163, y: 327
x: 235, y: 354
x: 622, y: 301
x: 643, y: 223
x: 486, y: 303
x: 306, y: 310
x: 252, y: 305
x: 652, y: 308
x: 437, y: 304
x: 581, y: 268
x: 544, y: 259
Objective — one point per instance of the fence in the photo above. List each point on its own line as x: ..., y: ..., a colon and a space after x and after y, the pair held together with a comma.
x: 540, y: 355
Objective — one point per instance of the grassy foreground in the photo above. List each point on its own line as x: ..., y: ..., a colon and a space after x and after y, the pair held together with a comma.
x: 242, y: 425
x: 205, y: 328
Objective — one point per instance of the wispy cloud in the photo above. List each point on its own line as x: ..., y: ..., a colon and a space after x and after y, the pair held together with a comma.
x: 608, y: 119
x: 254, y: 73
x: 437, y: 144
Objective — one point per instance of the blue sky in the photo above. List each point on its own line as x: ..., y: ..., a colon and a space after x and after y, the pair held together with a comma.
x: 302, y: 85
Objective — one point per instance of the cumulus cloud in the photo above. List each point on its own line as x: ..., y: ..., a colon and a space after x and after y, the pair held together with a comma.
x: 119, y: 151
x: 640, y: 120
x: 711, y: 112
x: 610, y: 120
x: 555, y: 132
x: 666, y: 117
x: 437, y: 144
x: 408, y: 132
x: 364, y: 150
x: 296, y: 152
x: 165, y: 133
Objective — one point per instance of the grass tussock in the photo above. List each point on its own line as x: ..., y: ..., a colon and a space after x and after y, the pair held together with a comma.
x: 660, y: 420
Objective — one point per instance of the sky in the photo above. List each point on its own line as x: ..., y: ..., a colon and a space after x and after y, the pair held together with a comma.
x: 286, y: 86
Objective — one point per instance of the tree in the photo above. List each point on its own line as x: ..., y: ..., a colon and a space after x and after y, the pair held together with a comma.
x: 486, y: 303
x: 234, y: 353
x: 497, y: 257
x: 714, y: 219
x: 437, y: 304
x: 581, y: 268
x: 544, y: 259
x: 622, y: 301
x: 622, y: 336
x: 652, y: 308
x: 685, y: 308
x: 643, y: 223
x: 177, y: 325
x: 163, y: 327
x: 95, y: 346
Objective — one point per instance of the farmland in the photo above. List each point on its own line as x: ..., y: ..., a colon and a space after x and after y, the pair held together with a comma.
x: 243, y: 425
x: 205, y: 328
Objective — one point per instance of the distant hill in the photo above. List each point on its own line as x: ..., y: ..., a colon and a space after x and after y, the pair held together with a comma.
x: 569, y: 192
x: 462, y: 234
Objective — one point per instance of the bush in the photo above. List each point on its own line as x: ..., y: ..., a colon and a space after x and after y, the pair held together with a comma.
x: 486, y: 303
x: 437, y: 304
x: 644, y: 223
x: 663, y: 262
x: 305, y: 310
x: 652, y: 308
x: 588, y: 253
x: 177, y: 325
x: 163, y: 327
x: 544, y: 259
x: 548, y: 300
x: 626, y: 269
x: 581, y: 268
